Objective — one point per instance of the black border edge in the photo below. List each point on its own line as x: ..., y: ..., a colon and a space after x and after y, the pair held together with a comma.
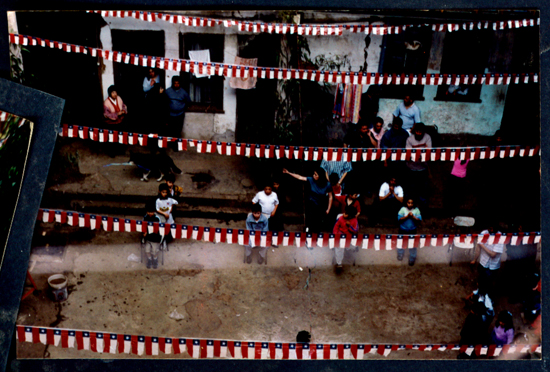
x: 44, y: 111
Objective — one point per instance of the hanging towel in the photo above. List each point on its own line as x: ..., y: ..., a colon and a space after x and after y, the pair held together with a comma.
x: 248, y: 82
x: 351, y: 103
x: 200, y: 56
x: 338, y: 109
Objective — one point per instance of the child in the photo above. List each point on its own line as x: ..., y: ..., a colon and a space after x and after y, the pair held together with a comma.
x: 346, y: 224
x: 408, y: 217
x: 150, y: 240
x: 503, y: 333
x: 268, y: 201
x: 173, y: 191
x: 256, y: 221
x: 350, y: 199
x: 164, y: 203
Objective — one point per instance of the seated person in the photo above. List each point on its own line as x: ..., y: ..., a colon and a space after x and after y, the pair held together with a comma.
x: 395, y: 137
x: 256, y: 221
x: 418, y: 170
x: 389, y: 200
x: 346, y: 224
x: 151, y: 249
x: 173, y: 191
x: 359, y: 138
x: 377, y: 132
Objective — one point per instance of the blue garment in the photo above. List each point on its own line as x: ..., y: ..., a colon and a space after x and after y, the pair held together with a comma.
x: 392, y: 139
x: 147, y: 83
x: 410, y: 116
x: 338, y: 167
x: 178, y: 101
x: 261, y: 225
x: 409, y: 224
x: 318, y: 193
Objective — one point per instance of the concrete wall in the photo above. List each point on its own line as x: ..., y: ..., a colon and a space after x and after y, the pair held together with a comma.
x: 205, y: 126
x: 451, y: 117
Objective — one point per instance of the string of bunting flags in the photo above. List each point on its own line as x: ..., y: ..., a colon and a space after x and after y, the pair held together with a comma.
x: 241, y: 71
x: 116, y: 343
x: 301, y: 152
x: 312, y: 29
x: 283, y: 238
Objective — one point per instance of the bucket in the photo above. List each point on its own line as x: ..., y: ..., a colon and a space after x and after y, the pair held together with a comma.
x: 58, y: 284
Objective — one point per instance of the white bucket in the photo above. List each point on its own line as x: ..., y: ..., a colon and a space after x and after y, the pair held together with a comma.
x: 58, y: 284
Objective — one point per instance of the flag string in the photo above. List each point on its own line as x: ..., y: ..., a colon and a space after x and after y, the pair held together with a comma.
x: 198, y: 348
x: 301, y: 152
x: 284, y: 238
x: 314, y: 29
x: 241, y: 71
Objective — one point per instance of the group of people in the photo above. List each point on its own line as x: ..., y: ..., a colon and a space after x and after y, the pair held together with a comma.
x: 163, y: 107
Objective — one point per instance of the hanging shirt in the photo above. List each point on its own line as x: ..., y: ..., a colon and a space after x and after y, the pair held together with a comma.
x: 459, y: 169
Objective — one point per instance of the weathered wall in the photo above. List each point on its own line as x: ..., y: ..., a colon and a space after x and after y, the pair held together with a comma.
x: 457, y: 117
x: 204, y: 126
x: 451, y: 117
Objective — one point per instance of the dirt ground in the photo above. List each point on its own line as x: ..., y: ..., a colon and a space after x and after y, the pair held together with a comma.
x: 375, y: 300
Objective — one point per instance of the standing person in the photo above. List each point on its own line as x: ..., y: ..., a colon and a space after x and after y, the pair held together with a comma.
x: 155, y: 108
x: 456, y: 186
x: 418, y: 170
x: 388, y: 202
x: 489, y: 263
x: 316, y: 206
x: 150, y: 80
x: 173, y: 190
x: 179, y: 99
x: 256, y: 221
x: 409, y: 112
x: 151, y: 250
x: 364, y: 171
x: 503, y: 333
x: 346, y: 224
x: 268, y: 200
x: 370, y: 104
x: 474, y: 331
x: 165, y: 204
x: 409, y: 217
x: 114, y: 109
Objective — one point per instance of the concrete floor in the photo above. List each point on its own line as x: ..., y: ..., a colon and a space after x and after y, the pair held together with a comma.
x: 377, y: 300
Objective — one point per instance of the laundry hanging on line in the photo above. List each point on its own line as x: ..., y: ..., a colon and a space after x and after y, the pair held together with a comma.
x: 347, y: 103
x: 200, y: 56
x: 244, y: 82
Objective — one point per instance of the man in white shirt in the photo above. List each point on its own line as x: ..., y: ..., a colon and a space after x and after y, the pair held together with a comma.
x: 408, y: 112
x: 268, y: 200
x: 389, y: 200
x: 489, y: 263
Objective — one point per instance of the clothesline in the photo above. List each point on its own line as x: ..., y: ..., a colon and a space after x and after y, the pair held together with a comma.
x: 282, y: 238
x: 229, y: 70
x: 301, y: 152
x: 199, y: 348
x: 314, y: 29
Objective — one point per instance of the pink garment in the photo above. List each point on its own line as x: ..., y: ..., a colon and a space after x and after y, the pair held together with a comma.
x: 378, y: 136
x: 110, y: 110
x: 244, y: 83
x: 459, y: 170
